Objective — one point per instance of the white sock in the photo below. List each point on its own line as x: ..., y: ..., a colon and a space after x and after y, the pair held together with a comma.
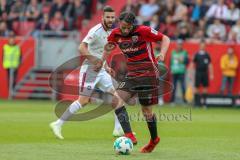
x: 117, y: 123
x: 73, y: 108
x: 60, y: 122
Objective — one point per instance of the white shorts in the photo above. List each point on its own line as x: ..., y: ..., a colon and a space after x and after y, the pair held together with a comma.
x: 89, y: 79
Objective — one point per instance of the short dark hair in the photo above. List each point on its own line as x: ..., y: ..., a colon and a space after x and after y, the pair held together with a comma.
x: 128, y: 17
x: 108, y: 9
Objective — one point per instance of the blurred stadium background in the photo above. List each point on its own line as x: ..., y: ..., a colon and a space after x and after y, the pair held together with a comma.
x: 48, y: 33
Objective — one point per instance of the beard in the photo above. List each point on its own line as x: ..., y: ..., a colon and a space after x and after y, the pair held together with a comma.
x: 107, y: 25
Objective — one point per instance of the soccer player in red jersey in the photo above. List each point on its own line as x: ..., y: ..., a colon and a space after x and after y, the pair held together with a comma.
x: 135, y: 43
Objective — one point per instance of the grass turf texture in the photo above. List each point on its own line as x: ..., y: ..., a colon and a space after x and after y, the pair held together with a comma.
x: 213, y: 134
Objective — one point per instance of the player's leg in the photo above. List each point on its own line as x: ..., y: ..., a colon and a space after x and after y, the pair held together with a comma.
x: 106, y: 85
x: 152, y: 127
x: 119, y: 98
x: 70, y: 111
x: 147, y: 98
x: 151, y: 121
x: 87, y: 83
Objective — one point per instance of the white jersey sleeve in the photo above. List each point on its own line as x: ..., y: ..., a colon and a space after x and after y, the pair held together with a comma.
x: 96, y: 40
x: 90, y: 37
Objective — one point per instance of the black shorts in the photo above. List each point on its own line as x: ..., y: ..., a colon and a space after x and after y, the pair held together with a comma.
x: 146, y: 89
x: 201, y: 78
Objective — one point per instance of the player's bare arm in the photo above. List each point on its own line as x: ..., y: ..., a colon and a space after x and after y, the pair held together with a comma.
x: 109, y: 70
x: 164, y: 48
x: 83, y: 48
x: 108, y: 48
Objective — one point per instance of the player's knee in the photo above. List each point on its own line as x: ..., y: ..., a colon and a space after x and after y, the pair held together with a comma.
x: 111, y: 90
x: 115, y: 102
x: 147, y: 111
x: 83, y: 100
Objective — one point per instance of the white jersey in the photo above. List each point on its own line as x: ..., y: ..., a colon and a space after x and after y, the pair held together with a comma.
x: 89, y: 79
x: 96, y: 40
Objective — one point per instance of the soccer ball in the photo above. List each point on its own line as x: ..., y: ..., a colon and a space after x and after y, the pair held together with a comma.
x: 123, y: 145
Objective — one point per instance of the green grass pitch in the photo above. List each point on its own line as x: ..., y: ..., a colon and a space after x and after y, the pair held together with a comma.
x: 211, y: 134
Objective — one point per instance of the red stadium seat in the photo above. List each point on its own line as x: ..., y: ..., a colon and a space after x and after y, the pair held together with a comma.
x: 23, y: 28
x: 15, y: 26
x: 78, y: 22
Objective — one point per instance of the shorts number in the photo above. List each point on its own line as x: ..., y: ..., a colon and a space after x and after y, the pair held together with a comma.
x: 122, y: 84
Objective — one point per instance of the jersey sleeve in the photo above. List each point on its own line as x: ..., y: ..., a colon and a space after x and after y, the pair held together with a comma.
x: 90, y: 37
x: 151, y: 35
x: 111, y: 44
x: 111, y: 38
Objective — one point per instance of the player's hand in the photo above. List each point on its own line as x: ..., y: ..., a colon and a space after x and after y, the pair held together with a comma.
x: 97, y: 63
x: 110, y: 71
x: 109, y: 47
x: 160, y: 57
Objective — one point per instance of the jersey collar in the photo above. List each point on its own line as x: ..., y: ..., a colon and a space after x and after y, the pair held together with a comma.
x: 104, y: 27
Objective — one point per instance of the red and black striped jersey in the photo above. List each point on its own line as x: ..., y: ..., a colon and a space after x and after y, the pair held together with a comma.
x: 137, y: 47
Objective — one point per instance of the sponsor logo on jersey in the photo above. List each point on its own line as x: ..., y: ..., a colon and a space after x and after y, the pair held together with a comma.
x: 130, y: 50
x: 134, y: 39
x: 89, y: 87
x: 122, y: 84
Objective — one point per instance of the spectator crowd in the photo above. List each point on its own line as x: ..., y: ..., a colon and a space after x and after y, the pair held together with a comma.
x: 192, y: 20
x: 215, y: 21
x: 50, y: 15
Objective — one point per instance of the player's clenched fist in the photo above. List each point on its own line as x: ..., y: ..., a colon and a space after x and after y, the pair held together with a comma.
x: 96, y: 62
x: 160, y: 58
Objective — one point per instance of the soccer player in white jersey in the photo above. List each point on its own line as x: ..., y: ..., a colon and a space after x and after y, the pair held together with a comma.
x: 92, y: 47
